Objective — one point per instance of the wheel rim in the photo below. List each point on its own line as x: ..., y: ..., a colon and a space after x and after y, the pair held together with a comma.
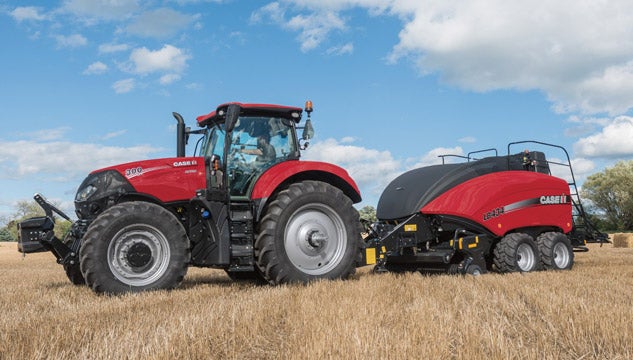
x: 315, y: 239
x: 561, y: 255
x: 138, y: 255
x: 526, y: 257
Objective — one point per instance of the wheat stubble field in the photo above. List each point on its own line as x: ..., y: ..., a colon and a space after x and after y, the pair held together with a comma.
x: 586, y: 313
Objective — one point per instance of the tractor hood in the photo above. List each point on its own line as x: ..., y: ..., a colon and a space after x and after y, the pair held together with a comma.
x: 166, y: 180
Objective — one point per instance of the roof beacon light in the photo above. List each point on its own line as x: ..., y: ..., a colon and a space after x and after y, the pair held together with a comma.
x: 309, y: 107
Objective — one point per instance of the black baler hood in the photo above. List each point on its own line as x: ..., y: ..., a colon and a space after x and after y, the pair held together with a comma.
x: 411, y: 191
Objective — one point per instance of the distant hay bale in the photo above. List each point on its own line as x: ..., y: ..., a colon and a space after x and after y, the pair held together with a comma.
x: 623, y: 240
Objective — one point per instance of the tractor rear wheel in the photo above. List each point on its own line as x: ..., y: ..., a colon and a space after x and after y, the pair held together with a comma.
x: 516, y: 252
x: 556, y: 251
x: 310, y: 231
x: 132, y: 247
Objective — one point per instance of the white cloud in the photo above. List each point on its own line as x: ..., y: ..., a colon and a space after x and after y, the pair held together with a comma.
x: 160, y: 23
x: 113, y: 134
x: 124, y: 86
x: 344, y: 49
x: 581, y: 167
x: 433, y: 157
x: 577, y: 52
x: 584, y: 125
x: 71, y: 41
x: 96, y: 68
x: 23, y: 13
x: 614, y: 140
x: 467, y: 139
x: 169, y: 78
x: 272, y: 12
x: 194, y: 86
x: 92, y: 10
x: 169, y: 59
x: 64, y: 160
x: 313, y: 28
x: 47, y: 134
x: 112, y: 48
x: 371, y: 169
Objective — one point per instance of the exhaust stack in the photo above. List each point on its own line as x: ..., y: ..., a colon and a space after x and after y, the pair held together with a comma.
x: 180, y: 135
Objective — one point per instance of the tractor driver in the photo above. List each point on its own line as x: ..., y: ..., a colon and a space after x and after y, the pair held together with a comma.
x: 265, y: 151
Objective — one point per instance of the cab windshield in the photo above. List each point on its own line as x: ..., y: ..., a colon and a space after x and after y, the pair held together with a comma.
x: 257, y: 143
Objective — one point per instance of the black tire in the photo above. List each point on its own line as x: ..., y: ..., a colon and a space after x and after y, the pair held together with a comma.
x: 310, y: 231
x: 516, y: 252
x: 73, y: 272
x: 132, y: 247
x: 556, y: 251
x: 474, y: 270
x: 246, y: 276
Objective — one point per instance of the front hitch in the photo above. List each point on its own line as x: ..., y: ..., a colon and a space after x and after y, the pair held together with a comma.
x: 37, y: 234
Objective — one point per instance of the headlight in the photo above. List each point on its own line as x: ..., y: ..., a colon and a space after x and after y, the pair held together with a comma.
x: 85, y: 193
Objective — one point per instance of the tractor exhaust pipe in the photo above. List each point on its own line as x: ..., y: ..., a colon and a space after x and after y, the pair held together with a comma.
x: 180, y: 135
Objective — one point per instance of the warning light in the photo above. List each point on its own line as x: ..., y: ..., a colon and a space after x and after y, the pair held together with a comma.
x: 309, y: 106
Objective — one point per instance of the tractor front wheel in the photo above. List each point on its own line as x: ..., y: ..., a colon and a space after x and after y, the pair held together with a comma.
x: 310, y: 231
x: 132, y: 247
x: 516, y: 252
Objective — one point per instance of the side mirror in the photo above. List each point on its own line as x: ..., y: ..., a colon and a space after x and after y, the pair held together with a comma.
x: 232, y: 114
x: 308, y: 130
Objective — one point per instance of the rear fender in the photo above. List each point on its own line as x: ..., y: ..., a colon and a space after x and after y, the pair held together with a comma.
x: 283, y: 174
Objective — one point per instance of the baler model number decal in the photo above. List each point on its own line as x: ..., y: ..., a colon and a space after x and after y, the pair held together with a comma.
x: 129, y: 173
x: 542, y: 200
x: 493, y: 213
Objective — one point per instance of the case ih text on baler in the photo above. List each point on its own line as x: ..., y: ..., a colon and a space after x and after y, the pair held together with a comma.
x: 247, y: 204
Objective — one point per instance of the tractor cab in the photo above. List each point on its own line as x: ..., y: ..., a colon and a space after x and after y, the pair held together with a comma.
x: 256, y: 138
x: 255, y: 144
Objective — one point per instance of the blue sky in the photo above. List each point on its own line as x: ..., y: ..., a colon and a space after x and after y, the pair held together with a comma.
x: 86, y: 84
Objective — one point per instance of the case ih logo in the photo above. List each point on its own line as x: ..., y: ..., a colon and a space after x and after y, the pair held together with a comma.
x: 185, y: 163
x: 553, y: 199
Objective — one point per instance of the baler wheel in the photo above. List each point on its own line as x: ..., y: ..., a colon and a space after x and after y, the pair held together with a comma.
x: 474, y: 270
x: 556, y: 251
x: 516, y: 252
x: 132, y: 247
x: 310, y: 231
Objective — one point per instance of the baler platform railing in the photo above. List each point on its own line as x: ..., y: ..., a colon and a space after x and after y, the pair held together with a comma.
x: 584, y: 230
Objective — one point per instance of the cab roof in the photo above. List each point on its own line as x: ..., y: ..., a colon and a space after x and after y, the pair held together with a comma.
x: 289, y: 112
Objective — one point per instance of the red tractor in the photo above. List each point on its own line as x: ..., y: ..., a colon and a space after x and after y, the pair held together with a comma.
x: 245, y: 203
